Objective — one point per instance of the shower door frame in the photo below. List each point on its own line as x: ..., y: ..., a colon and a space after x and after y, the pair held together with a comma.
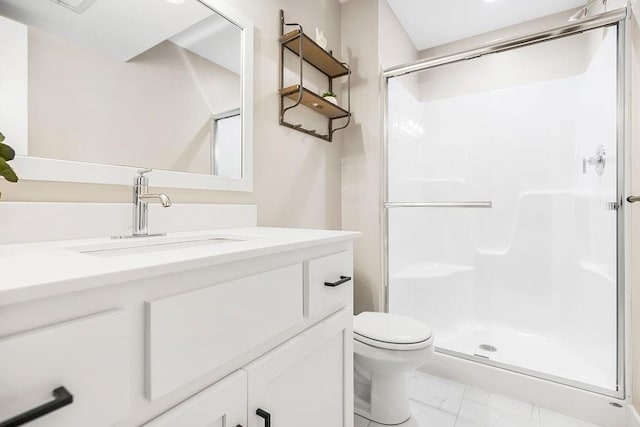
x: 616, y: 18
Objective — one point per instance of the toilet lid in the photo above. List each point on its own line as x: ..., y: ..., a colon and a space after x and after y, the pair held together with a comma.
x: 390, y: 328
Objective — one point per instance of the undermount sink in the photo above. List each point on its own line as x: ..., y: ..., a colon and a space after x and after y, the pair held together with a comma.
x: 143, y: 245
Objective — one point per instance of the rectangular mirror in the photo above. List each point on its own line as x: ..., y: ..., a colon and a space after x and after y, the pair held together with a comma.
x: 96, y: 89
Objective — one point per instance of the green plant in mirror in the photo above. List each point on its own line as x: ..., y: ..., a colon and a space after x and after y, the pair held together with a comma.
x: 325, y: 94
x: 6, y: 155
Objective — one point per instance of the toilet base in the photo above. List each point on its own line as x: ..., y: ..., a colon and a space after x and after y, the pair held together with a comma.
x: 387, y: 403
x: 380, y: 388
x: 411, y: 422
x: 408, y: 422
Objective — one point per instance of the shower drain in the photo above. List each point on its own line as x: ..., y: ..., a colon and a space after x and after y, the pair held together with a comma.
x: 487, y: 347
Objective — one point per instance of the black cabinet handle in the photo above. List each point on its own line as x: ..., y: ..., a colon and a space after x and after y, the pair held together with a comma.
x: 263, y: 414
x: 343, y: 279
x: 62, y: 398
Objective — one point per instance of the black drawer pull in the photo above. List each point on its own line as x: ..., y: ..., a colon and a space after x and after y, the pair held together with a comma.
x: 265, y: 415
x: 62, y: 398
x: 343, y: 279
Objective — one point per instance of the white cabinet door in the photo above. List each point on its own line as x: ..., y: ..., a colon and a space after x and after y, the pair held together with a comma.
x: 308, y: 380
x: 224, y: 404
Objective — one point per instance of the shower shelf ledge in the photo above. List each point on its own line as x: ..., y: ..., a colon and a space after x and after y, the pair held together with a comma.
x: 431, y: 270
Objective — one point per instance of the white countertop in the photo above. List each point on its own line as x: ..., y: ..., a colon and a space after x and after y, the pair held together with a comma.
x: 37, y: 270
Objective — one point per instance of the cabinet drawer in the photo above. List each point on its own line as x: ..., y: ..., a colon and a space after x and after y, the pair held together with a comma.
x: 319, y: 273
x: 224, y: 404
x: 193, y: 333
x: 88, y: 356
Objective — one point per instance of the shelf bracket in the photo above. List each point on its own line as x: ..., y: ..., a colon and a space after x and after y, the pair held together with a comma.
x: 283, y: 110
x: 331, y: 131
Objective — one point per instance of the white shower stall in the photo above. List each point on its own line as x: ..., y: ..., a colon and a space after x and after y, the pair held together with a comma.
x: 502, y: 207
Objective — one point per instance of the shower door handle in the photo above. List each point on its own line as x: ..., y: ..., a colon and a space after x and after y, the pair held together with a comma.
x: 633, y: 199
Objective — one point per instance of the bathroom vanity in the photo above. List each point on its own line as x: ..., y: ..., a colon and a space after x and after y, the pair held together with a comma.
x: 219, y: 323
x: 230, y: 327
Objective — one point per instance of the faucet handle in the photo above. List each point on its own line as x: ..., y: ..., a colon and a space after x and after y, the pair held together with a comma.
x: 141, y: 179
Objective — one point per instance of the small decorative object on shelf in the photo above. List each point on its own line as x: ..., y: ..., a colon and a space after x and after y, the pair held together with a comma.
x: 313, y: 53
x: 331, y: 97
x: 6, y: 155
x: 321, y: 39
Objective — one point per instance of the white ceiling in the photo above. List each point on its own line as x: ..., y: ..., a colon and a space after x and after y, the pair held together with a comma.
x: 215, y: 39
x: 434, y: 22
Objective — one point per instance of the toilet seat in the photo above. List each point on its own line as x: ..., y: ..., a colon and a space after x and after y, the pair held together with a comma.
x: 391, y: 331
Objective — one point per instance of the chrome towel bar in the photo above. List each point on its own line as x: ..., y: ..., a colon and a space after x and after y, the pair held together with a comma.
x: 487, y: 204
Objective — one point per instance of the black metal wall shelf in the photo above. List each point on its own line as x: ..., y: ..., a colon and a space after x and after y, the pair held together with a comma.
x: 315, y: 102
x: 314, y: 54
x: 309, y: 51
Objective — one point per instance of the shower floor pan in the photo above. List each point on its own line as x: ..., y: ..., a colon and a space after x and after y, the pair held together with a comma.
x: 505, y: 345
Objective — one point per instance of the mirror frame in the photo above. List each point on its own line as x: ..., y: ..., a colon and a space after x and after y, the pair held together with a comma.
x: 44, y: 169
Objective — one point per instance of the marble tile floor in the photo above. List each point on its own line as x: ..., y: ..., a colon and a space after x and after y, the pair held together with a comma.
x: 437, y: 402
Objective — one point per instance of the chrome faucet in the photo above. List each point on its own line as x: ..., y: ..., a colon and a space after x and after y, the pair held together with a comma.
x: 598, y: 160
x: 141, y: 199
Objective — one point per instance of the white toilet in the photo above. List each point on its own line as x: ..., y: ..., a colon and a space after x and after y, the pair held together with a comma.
x: 386, y: 346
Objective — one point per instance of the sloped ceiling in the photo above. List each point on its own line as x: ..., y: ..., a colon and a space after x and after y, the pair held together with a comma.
x: 432, y: 23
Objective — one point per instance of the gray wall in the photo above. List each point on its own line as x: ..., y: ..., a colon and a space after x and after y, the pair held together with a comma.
x: 384, y: 43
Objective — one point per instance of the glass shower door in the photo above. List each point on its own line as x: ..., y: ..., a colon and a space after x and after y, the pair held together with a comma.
x: 501, y: 207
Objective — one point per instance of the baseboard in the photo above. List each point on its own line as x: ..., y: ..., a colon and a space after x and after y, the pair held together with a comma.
x: 633, y: 418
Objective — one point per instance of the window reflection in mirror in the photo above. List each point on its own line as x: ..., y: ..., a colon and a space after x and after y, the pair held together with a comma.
x: 132, y: 83
x: 227, y: 147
